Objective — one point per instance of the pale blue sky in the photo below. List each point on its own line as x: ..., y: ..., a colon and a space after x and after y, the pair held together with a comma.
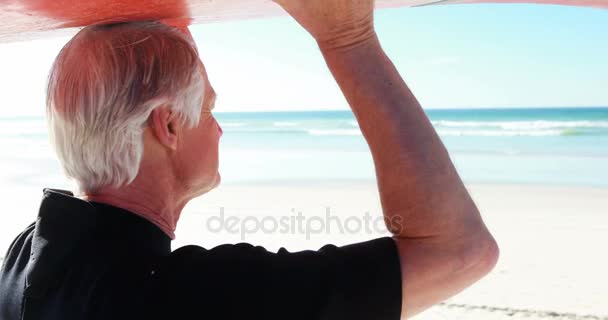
x: 451, y: 56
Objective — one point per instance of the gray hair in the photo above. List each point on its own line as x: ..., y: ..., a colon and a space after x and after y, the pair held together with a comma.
x: 102, y: 89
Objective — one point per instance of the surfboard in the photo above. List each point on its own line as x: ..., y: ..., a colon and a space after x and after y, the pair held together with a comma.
x: 31, y: 19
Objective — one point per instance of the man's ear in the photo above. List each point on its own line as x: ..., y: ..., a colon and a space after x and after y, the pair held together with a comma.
x: 166, y: 126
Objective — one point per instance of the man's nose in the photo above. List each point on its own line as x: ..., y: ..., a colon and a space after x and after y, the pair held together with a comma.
x: 219, y: 128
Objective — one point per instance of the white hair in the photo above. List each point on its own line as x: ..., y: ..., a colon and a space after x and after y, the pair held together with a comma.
x: 102, y: 89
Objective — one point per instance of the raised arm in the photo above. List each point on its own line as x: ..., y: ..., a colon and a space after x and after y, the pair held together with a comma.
x: 443, y: 243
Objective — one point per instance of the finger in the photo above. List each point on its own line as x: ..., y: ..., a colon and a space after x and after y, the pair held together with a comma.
x: 279, y: 2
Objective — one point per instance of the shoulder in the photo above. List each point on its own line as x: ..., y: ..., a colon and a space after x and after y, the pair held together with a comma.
x: 12, y: 273
x: 382, y: 250
x: 357, y: 281
x: 244, y: 265
x: 20, y: 244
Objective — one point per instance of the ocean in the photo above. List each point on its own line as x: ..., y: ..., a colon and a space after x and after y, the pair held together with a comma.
x: 546, y: 146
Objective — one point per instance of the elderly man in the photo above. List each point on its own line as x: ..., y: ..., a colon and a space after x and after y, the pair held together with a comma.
x: 130, y: 110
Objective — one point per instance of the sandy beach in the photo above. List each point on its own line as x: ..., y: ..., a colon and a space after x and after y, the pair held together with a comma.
x: 552, y: 239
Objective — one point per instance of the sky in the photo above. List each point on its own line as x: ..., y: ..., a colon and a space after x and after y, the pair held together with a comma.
x: 458, y: 56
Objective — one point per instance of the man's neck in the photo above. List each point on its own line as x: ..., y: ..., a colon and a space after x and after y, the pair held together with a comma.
x: 154, y: 204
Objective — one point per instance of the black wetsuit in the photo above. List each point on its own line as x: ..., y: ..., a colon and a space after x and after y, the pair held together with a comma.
x: 86, y: 260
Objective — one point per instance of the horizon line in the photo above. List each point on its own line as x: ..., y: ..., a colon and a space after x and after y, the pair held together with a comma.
x: 429, y: 108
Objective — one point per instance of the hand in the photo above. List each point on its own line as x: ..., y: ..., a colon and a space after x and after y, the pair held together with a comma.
x: 334, y: 23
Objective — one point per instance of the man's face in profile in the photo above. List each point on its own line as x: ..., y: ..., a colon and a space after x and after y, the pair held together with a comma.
x: 199, y: 153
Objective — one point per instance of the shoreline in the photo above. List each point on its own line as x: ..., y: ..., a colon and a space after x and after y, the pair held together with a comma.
x: 368, y: 182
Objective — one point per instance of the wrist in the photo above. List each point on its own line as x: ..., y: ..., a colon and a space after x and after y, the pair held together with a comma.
x: 348, y: 39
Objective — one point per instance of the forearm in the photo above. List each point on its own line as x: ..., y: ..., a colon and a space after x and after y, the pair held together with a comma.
x: 421, y: 192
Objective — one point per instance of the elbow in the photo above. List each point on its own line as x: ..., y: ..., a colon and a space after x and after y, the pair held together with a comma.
x: 483, y: 257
